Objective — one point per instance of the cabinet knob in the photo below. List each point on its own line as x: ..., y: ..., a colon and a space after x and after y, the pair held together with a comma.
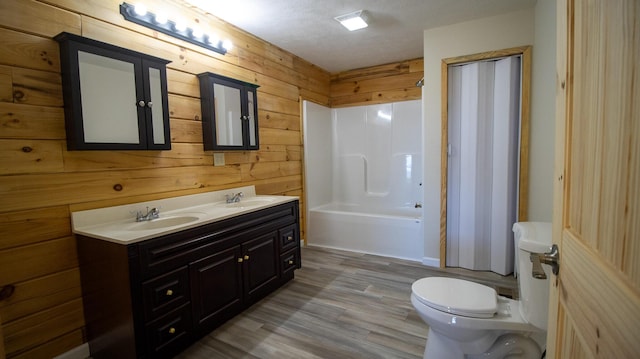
x: 172, y: 330
x: 169, y: 292
x: 290, y: 262
x: 149, y: 104
x: 141, y: 103
x: 240, y: 260
x: 246, y: 258
x: 289, y: 238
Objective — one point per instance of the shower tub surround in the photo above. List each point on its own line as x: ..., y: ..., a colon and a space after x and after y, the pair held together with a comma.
x: 363, y: 172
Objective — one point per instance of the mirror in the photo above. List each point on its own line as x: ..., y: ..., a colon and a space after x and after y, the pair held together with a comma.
x: 157, y: 116
x: 106, y: 84
x: 228, y: 115
x: 253, y: 131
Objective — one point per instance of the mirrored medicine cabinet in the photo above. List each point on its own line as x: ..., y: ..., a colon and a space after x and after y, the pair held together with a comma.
x: 114, y: 98
x: 229, y: 113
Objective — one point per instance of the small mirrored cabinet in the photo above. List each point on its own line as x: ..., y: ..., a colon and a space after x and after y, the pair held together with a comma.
x: 229, y: 113
x: 114, y: 98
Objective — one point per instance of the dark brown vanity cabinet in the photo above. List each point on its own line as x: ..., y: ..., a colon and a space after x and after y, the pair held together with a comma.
x: 114, y: 98
x: 154, y: 298
x: 223, y: 282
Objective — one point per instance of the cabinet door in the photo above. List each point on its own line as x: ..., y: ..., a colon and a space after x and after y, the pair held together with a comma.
x: 157, y: 112
x: 229, y: 113
x: 251, y: 119
x: 216, y: 288
x: 260, y: 265
x: 114, y: 98
x: 105, y: 104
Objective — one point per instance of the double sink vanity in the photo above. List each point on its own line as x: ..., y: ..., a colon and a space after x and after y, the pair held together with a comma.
x: 154, y: 286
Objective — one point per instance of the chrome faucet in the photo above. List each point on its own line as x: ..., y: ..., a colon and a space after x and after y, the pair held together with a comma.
x: 233, y: 198
x: 152, y: 213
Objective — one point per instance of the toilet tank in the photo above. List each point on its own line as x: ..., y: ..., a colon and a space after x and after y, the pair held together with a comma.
x: 534, y: 293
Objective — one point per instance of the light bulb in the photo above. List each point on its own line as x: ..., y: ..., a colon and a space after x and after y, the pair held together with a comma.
x: 140, y: 9
x: 227, y: 45
x: 214, y: 39
x: 181, y: 25
x: 161, y: 18
x: 197, y: 32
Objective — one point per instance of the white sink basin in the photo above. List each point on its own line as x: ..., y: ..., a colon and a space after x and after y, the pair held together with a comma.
x: 162, y: 222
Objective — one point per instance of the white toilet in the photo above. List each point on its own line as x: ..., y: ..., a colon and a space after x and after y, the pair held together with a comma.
x: 470, y: 320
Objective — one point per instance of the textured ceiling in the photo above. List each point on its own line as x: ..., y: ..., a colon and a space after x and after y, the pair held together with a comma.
x: 307, y: 28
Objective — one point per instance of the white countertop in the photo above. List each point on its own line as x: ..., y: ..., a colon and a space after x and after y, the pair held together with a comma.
x: 118, y: 223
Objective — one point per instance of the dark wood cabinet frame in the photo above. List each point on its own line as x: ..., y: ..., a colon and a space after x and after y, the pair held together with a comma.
x: 154, y: 298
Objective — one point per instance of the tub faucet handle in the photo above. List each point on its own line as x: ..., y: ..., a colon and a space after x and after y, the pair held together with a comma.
x: 551, y: 258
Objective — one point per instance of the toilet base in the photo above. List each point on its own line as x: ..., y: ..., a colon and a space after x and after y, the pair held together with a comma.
x: 439, y: 346
x: 510, y: 344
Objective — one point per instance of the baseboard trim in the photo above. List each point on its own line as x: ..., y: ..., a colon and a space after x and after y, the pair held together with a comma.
x: 431, y: 262
x: 79, y: 352
x: 362, y: 252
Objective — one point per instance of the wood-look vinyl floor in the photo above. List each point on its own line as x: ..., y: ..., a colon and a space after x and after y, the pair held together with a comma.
x: 340, y: 305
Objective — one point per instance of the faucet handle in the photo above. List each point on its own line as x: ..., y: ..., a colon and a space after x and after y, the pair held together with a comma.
x: 234, y: 197
x: 139, y: 215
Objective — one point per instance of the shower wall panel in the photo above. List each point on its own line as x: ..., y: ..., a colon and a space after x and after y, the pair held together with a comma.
x: 378, y: 155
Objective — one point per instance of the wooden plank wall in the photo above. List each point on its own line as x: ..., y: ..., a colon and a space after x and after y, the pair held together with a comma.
x: 41, y: 182
x: 378, y: 84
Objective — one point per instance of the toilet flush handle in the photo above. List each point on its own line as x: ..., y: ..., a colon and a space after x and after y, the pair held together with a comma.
x: 551, y: 258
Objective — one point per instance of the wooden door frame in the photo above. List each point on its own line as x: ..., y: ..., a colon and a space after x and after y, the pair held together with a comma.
x: 523, y: 170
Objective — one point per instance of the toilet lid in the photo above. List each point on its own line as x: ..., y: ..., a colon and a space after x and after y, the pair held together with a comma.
x: 457, y: 296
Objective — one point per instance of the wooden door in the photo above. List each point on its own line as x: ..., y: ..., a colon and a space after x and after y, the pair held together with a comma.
x: 595, y: 299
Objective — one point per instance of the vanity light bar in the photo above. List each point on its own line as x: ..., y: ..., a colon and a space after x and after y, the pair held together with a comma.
x: 141, y: 16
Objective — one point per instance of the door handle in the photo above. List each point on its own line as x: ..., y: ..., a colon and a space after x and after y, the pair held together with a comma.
x: 551, y: 258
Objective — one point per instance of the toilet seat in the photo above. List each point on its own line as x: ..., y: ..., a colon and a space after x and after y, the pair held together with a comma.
x: 457, y: 296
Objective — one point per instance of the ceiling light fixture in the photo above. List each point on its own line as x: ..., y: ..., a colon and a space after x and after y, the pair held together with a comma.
x: 177, y: 29
x: 354, y: 20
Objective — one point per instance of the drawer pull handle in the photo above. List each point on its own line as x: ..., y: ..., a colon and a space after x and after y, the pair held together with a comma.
x: 169, y: 292
x: 246, y: 258
x: 240, y: 260
x: 290, y: 261
x: 172, y: 330
x: 289, y: 238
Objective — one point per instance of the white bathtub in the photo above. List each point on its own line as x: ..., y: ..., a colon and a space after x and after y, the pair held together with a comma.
x: 394, y: 232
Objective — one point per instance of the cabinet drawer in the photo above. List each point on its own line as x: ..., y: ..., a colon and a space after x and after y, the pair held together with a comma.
x: 169, y: 334
x: 289, y: 237
x: 165, y: 293
x: 289, y: 261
